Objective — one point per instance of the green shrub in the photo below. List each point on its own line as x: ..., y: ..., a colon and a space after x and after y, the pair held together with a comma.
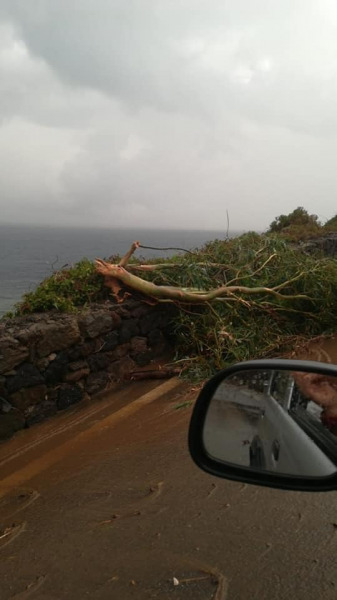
x: 65, y: 290
x: 299, y: 218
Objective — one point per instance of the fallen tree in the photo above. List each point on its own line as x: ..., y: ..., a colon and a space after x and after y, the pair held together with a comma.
x: 248, y: 297
x: 117, y: 274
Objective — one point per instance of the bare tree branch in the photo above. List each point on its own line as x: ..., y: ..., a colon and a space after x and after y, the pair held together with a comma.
x: 124, y: 261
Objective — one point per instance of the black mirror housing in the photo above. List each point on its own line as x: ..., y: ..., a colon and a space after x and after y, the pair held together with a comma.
x: 309, y: 435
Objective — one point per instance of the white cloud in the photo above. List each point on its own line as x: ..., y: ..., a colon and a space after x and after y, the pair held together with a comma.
x: 167, y: 113
x: 134, y: 147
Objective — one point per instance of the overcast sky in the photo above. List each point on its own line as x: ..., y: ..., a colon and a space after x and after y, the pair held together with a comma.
x: 166, y: 113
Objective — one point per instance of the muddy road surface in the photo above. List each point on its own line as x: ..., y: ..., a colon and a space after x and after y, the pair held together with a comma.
x: 105, y: 503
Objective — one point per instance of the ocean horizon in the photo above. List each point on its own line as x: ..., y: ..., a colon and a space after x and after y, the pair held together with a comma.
x: 29, y: 254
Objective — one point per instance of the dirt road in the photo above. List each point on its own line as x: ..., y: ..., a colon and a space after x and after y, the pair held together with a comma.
x: 105, y: 503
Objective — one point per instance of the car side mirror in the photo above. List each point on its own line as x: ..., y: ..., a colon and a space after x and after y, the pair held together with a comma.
x: 269, y: 422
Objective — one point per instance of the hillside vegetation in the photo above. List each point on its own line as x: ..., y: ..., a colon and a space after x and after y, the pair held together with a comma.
x: 299, y: 225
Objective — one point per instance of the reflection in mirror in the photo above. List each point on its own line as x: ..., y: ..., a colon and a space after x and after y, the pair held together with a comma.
x: 276, y: 421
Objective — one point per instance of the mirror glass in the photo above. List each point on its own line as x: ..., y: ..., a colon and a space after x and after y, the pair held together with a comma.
x: 277, y: 421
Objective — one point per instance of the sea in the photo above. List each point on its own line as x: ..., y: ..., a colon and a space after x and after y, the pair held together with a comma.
x: 29, y: 254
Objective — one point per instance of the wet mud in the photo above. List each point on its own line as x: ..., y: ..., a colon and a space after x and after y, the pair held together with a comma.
x: 122, y: 512
x: 321, y: 349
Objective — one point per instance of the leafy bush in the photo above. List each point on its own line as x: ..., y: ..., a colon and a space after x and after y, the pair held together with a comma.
x: 298, y: 218
x: 65, y: 290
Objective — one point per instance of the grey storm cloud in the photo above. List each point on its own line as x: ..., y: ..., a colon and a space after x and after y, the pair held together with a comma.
x: 163, y: 113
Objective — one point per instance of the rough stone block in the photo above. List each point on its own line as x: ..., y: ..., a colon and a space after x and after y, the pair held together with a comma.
x: 155, y: 338
x: 78, y: 365
x: 140, y: 311
x: 120, y: 369
x: 68, y: 395
x: 128, y: 330
x: 57, y: 369
x: 73, y: 376
x: 26, y: 376
x: 121, y: 350
x: 98, y: 322
x: 52, y: 335
x: 144, y: 358
x: 12, y: 353
x: 122, y: 312
x: 97, y: 382
x: 149, y: 322
x: 138, y: 345
x: 27, y: 397
x: 98, y: 362
x: 5, y: 406
x: 40, y: 412
x: 42, y: 363
x: 81, y: 351
x: 110, y: 341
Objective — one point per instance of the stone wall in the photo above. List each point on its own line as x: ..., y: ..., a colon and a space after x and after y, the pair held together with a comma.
x: 50, y: 361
